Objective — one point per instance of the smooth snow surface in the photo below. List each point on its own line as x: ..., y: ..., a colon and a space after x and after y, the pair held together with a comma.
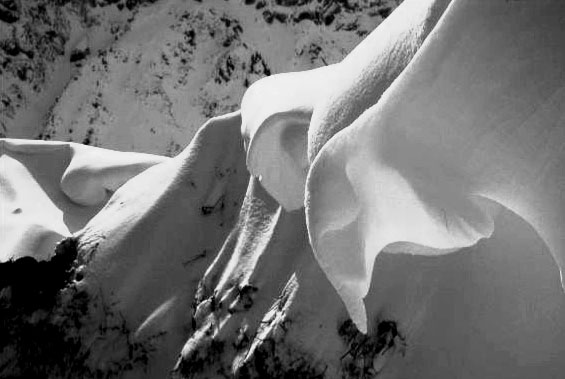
x: 276, y: 113
x: 289, y: 117
x: 475, y: 122
x: 51, y: 189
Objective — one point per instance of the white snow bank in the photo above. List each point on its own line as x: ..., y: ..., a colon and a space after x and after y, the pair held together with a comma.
x: 288, y: 117
x: 149, y: 246
x: 474, y: 121
x: 51, y: 189
x: 276, y: 113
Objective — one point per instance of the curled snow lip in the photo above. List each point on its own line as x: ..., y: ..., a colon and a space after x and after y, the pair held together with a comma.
x: 457, y: 136
x: 276, y: 113
x: 288, y: 117
x: 282, y: 167
x: 92, y: 172
x: 51, y: 189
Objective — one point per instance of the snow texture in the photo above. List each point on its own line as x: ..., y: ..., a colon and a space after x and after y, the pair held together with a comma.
x: 289, y: 117
x: 474, y: 123
x: 51, y: 189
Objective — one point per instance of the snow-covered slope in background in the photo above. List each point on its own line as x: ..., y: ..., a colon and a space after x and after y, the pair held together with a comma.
x: 159, y: 69
x: 42, y: 46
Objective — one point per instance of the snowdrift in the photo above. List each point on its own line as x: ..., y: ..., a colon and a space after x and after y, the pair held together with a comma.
x: 472, y: 124
x: 51, y: 189
x: 287, y: 118
x: 433, y: 220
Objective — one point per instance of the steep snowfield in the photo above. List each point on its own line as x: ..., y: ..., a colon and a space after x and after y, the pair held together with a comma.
x: 193, y: 269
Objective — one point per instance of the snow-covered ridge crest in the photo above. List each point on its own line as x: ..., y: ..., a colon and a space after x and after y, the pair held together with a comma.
x: 51, y: 189
x: 473, y: 123
x: 286, y: 118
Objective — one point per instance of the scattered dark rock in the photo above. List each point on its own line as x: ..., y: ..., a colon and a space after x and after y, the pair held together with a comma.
x: 190, y: 36
x: 361, y: 349
x: 225, y: 71
x: 258, y: 65
x: 24, y: 71
x: 384, y: 12
x: 88, y: 137
x: 79, y: 54
x: 306, y: 15
x: 268, y: 16
x: 280, y: 17
x: 289, y: 3
x: 11, y: 47
x: 260, y: 4
x: 130, y: 4
x: 9, y: 11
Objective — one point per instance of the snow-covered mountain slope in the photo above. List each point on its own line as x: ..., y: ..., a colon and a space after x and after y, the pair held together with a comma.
x: 50, y: 190
x: 202, y: 267
x: 193, y: 269
x: 159, y: 69
x: 42, y: 46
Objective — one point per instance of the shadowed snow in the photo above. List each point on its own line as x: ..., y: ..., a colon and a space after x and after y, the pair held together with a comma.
x: 474, y: 120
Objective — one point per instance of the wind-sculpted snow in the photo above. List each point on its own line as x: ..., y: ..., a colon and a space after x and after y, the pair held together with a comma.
x: 289, y: 117
x: 141, y: 256
x: 157, y: 235
x: 51, y: 189
x: 475, y: 122
x: 367, y: 71
x: 189, y: 267
x: 276, y: 112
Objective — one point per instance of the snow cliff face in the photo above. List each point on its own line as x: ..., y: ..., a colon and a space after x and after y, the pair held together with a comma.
x: 193, y: 269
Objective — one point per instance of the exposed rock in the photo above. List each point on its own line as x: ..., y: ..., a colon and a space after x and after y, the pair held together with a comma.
x: 9, y: 10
